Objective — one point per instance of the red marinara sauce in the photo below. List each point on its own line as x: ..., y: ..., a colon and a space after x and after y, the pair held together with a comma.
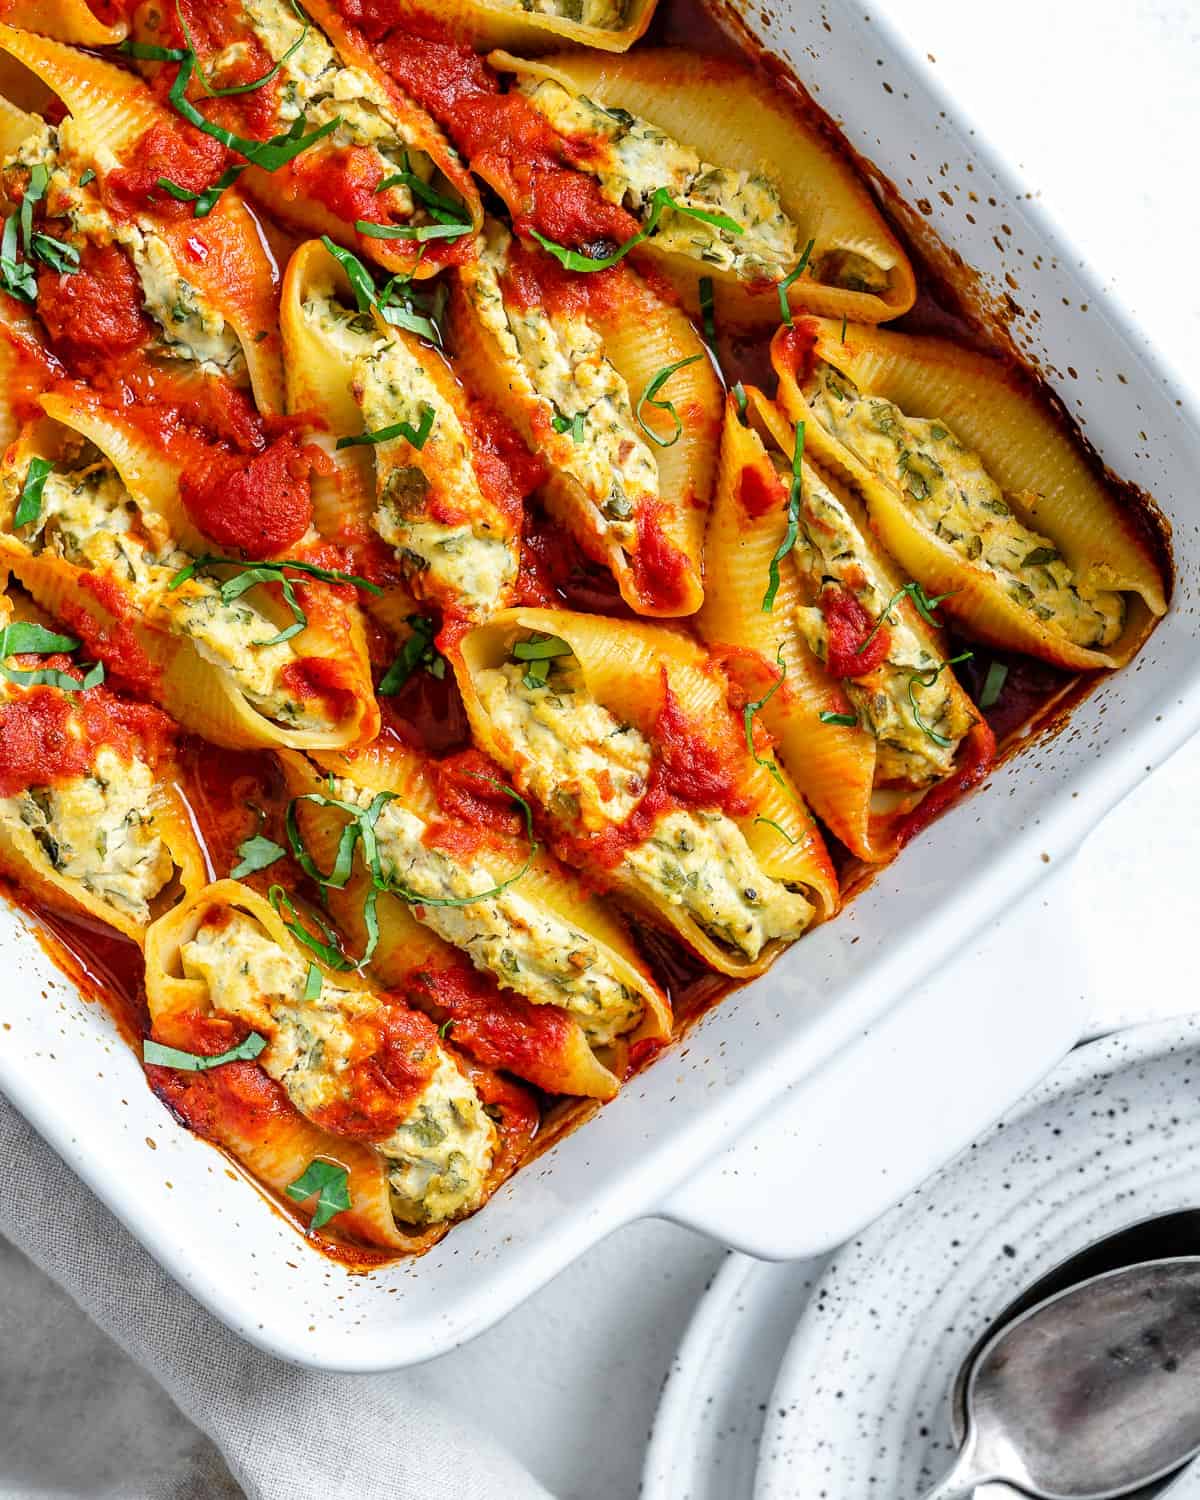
x: 260, y: 505
x: 848, y: 626
x: 94, y: 314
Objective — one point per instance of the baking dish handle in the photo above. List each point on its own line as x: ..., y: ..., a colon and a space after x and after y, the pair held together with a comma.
x: 843, y: 1145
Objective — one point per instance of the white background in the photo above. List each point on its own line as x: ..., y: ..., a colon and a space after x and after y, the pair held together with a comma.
x: 1097, y: 103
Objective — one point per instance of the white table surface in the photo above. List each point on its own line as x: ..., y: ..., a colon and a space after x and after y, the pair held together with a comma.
x: 1097, y: 103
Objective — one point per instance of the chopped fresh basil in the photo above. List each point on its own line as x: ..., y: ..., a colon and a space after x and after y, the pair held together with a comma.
x: 29, y: 505
x: 206, y: 200
x: 445, y: 1029
x: 785, y: 307
x: 397, y: 301
x: 313, y: 984
x: 193, y: 1062
x: 17, y: 277
x: 417, y: 651
x: 251, y: 573
x: 651, y: 392
x: 538, y: 652
x: 57, y: 254
x: 993, y: 684
x: 255, y: 853
x: 793, y: 521
x: 146, y: 52
x: 270, y: 155
x: 660, y: 199
x: 574, y: 425
x: 257, y: 83
x: 444, y: 210
x: 708, y: 313
x: 782, y: 832
x: 328, y: 951
x: 748, y: 713
x: 842, y: 340
x: 328, y: 1183
x: 417, y: 436
x: 372, y: 231
x: 739, y: 395
x: 927, y: 678
x: 827, y: 717
x: 925, y: 607
x: 86, y: 177
x: 24, y: 638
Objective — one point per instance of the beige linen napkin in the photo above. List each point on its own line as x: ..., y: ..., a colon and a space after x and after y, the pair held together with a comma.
x: 74, y: 1420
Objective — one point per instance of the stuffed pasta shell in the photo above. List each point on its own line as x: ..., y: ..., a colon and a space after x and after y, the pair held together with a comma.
x: 90, y: 819
x: 559, y: 992
x: 976, y: 491
x: 113, y: 264
x: 68, y: 20
x: 533, y: 25
x: 862, y: 702
x: 346, y: 1074
x: 677, y: 143
x: 410, y: 473
x: 247, y: 654
x: 625, y: 736
x: 327, y: 142
x: 611, y: 384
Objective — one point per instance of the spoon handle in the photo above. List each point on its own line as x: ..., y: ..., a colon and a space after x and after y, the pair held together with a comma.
x: 963, y: 1479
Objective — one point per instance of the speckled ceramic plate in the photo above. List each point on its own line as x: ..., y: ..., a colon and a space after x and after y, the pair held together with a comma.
x: 704, y: 1445
x: 861, y: 1407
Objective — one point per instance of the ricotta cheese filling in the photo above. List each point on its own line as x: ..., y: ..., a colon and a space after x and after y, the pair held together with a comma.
x: 830, y: 550
x: 189, y: 326
x: 438, y: 1157
x: 534, y: 952
x: 98, y: 830
x: 577, y: 759
x: 608, y: 15
x: 316, y: 84
x: 557, y: 363
x: 949, y: 492
x: 474, y: 560
x: 90, y: 519
x: 631, y: 158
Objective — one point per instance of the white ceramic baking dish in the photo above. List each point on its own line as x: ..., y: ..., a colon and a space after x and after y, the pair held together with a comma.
x: 801, y: 1106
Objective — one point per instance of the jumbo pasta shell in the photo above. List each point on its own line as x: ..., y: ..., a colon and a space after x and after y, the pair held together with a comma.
x: 1023, y: 446
x: 626, y: 665
x: 734, y: 119
x: 66, y: 21
x: 484, y: 24
x: 653, y: 545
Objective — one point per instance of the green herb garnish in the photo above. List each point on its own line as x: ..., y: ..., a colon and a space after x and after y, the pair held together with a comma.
x: 251, y: 573
x: 255, y: 853
x: 782, y: 832
x: 574, y: 424
x: 660, y: 199
x: 313, y: 983
x: 748, y: 713
x: 257, y: 83
x: 442, y: 231
x: 538, y: 652
x: 793, y: 521
x: 927, y: 678
x: 329, y: 951
x: 417, y: 651
x: 993, y: 684
x: 270, y: 155
x: 328, y: 1183
x: 651, y: 392
x: 17, y: 277
x: 827, y: 717
x: 785, y: 307
x: 415, y: 435
x: 925, y: 607
x: 24, y: 638
x: 193, y: 1062
x: 29, y: 505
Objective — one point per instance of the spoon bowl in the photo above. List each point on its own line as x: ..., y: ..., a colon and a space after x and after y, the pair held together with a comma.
x: 1091, y: 1394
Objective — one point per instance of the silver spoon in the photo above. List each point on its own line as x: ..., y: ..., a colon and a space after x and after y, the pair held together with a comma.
x: 1090, y: 1395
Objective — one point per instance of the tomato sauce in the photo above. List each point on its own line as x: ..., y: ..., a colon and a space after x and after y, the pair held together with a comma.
x: 94, y: 314
x: 498, y: 1028
x: 178, y: 153
x: 48, y: 736
x: 853, y: 651
x: 260, y: 505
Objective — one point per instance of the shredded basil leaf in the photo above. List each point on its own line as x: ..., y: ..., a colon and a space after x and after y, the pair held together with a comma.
x: 574, y: 424
x: 313, y: 984
x: 328, y: 951
x: 924, y: 605
x: 660, y: 199
x: 793, y: 522
x: 538, y: 652
x: 24, y: 638
x: 842, y: 340
x: 782, y: 832
x: 739, y: 395
x: 445, y: 210
x: 445, y: 1029
x: 417, y: 651
x: 17, y: 278
x: 927, y: 678
x: 29, y: 506
x: 748, y: 713
x: 993, y: 684
x: 417, y: 436
x: 270, y: 155
x: 257, y: 83
x: 57, y: 254
x: 827, y: 717
x: 255, y: 853
x: 442, y: 231
x: 86, y: 176
x: 708, y: 313
x: 193, y: 1062
x: 650, y: 393
x: 785, y: 307
x: 251, y: 573
x: 328, y: 1183
x: 146, y: 52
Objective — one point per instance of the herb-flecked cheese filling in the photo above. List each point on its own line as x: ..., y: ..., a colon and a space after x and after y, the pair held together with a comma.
x: 556, y: 361
x: 189, y: 326
x: 907, y: 702
x: 607, y: 15
x: 438, y: 1157
x: 470, y: 561
x: 576, y: 758
x: 314, y: 84
x: 526, y: 949
x: 96, y: 829
x: 88, y: 518
x: 949, y: 492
